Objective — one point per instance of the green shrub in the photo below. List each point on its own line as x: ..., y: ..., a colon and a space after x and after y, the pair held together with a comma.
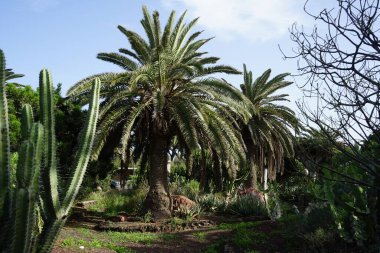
x: 211, y: 203
x: 246, y: 205
x: 112, y: 202
x: 318, y: 238
x: 90, y: 185
x: 186, y: 188
x: 189, y: 213
x: 318, y: 216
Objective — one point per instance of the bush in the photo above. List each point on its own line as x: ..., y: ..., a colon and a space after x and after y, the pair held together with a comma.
x: 90, y: 184
x: 189, y: 189
x: 211, y: 203
x: 189, y: 213
x: 246, y: 205
x: 318, y: 216
x: 113, y: 202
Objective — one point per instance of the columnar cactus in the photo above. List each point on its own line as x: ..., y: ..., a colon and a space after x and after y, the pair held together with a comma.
x: 37, y: 185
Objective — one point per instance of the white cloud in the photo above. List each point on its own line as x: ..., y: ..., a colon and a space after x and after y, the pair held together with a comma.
x: 260, y: 20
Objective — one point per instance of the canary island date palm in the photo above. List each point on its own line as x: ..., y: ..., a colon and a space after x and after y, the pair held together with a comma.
x: 165, y: 91
x: 267, y: 136
x: 37, y: 186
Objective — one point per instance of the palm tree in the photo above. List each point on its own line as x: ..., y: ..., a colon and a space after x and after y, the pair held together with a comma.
x: 267, y: 136
x: 165, y: 91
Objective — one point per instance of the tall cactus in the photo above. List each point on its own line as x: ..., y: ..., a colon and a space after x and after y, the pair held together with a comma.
x: 37, y: 184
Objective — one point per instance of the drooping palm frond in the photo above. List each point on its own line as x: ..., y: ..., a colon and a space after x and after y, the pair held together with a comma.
x: 271, y: 125
x: 165, y: 86
x: 10, y: 75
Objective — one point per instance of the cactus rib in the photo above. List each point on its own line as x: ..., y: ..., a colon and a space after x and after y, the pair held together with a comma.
x: 5, y: 191
x: 36, y: 174
x: 50, y: 176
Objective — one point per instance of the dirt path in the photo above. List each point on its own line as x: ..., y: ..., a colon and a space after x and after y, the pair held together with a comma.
x: 71, y: 240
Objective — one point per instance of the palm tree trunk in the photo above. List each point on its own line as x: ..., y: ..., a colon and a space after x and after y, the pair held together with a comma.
x: 158, y: 200
x: 217, y: 174
x: 252, y: 176
x: 203, y: 176
x: 265, y: 178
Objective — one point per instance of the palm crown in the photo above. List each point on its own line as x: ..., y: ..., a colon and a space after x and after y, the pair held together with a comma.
x: 164, y: 91
x: 269, y: 129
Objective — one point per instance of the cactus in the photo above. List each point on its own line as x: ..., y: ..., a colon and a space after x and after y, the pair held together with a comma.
x: 37, y: 185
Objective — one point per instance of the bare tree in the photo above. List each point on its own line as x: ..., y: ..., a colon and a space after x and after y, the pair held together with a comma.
x: 340, y: 59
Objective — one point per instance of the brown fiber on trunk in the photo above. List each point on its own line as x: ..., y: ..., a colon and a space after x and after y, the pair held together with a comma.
x: 252, y: 177
x: 203, y: 173
x: 158, y: 200
x: 218, y: 180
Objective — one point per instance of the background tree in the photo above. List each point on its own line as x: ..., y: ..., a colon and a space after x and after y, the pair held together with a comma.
x: 341, y: 61
x: 165, y: 92
x: 267, y: 135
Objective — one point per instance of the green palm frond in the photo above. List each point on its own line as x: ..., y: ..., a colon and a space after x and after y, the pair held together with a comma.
x: 166, y: 87
x: 271, y: 124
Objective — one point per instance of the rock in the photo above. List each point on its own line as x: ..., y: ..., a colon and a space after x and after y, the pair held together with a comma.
x: 180, y: 202
x: 256, y: 194
x: 119, y: 218
x: 85, y: 203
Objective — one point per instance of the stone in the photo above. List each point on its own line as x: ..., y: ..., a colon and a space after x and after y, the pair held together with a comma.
x: 180, y: 202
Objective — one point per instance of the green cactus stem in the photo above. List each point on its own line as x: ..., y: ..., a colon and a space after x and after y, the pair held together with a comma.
x: 37, y: 184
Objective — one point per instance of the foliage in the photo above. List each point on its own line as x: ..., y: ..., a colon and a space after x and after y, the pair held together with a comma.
x: 178, y: 171
x: 189, y: 213
x: 340, y: 65
x: 188, y: 188
x: 246, y: 205
x: 349, y: 207
x: 292, y: 186
x: 112, y: 240
x: 165, y: 92
x: 211, y: 203
x: 268, y: 135
x: 17, y: 97
x: 113, y: 202
x: 36, y: 181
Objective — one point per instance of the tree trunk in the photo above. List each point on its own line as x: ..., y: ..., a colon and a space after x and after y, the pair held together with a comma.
x: 158, y: 200
x: 252, y: 176
x: 169, y: 166
x: 373, y: 199
x: 218, y: 180
x: 265, y: 178
x: 203, y: 173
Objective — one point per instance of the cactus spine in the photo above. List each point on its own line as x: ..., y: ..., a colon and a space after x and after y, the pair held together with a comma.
x: 37, y: 184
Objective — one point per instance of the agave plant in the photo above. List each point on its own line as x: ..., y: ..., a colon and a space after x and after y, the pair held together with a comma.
x: 37, y: 186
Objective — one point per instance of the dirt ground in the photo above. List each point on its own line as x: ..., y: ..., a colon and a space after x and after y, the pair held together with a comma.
x: 184, y: 241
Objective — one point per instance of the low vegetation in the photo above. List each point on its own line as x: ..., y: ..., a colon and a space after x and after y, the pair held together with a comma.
x: 223, y: 169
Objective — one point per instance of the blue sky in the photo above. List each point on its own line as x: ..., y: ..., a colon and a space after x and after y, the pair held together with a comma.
x: 65, y: 36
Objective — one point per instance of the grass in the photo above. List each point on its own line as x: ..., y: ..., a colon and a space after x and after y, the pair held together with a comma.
x: 137, y: 237
x: 201, y: 236
x: 113, y: 202
x: 214, y: 248
x: 239, y: 225
x: 95, y: 243
x: 247, y: 237
x: 113, y: 240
